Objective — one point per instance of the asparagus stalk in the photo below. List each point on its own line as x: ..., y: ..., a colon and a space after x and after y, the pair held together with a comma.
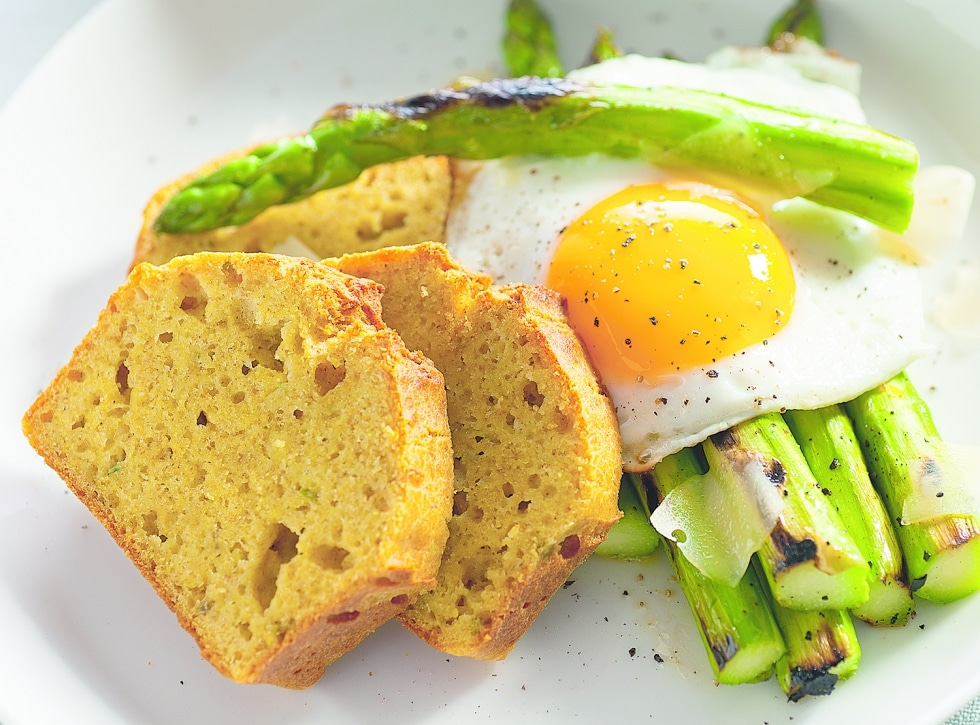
x: 822, y: 649
x: 529, y: 46
x: 810, y: 560
x: 901, y: 445
x: 839, y: 164
x: 800, y: 20
x: 828, y: 442
x: 735, y: 623
x: 633, y: 536
x: 604, y: 47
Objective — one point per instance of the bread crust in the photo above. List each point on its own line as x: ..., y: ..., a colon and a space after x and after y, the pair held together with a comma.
x: 317, y: 609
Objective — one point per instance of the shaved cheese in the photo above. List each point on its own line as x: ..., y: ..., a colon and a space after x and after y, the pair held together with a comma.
x: 717, y: 522
x: 943, y: 197
x: 944, y: 484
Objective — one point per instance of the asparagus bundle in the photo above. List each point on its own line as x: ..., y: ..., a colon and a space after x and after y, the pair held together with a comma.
x: 735, y: 623
x: 746, y: 633
x: 827, y: 439
x: 909, y: 464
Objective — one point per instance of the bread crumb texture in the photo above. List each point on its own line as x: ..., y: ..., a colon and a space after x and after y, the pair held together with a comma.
x: 389, y: 204
x: 267, y: 452
x: 535, y: 440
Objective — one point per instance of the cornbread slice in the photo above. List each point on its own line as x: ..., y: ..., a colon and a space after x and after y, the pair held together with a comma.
x: 535, y: 441
x: 270, y: 455
x: 391, y: 204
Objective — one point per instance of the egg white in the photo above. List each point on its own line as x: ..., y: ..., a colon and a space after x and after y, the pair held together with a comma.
x: 857, y: 319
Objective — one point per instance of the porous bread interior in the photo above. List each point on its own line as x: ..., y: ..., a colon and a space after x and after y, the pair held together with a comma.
x: 535, y: 444
x: 264, y: 449
x: 390, y: 204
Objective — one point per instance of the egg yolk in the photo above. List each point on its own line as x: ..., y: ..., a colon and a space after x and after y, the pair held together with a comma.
x: 661, y: 278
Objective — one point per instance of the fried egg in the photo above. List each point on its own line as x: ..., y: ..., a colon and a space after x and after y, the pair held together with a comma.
x: 701, y: 302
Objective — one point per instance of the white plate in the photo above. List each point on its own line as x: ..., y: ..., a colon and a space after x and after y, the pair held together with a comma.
x: 141, y: 92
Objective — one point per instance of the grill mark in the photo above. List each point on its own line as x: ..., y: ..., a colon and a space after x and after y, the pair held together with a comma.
x: 530, y: 92
x: 728, y: 442
x: 724, y: 441
x: 804, y: 682
x: 775, y: 472
x: 723, y: 651
x: 813, y: 676
x: 792, y: 550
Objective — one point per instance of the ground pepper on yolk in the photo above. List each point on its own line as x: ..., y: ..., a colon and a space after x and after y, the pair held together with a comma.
x: 660, y: 278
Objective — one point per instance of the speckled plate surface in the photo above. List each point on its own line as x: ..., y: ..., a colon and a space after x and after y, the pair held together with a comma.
x: 139, y: 93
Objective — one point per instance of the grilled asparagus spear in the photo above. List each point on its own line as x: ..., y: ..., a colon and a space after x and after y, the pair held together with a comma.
x: 822, y: 649
x: 830, y: 447
x: 529, y: 46
x: 632, y: 537
x: 908, y: 464
x: 735, y: 623
x: 849, y: 166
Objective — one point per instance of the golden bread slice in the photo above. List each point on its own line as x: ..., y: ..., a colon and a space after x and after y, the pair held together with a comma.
x: 391, y: 204
x: 269, y: 454
x: 535, y: 441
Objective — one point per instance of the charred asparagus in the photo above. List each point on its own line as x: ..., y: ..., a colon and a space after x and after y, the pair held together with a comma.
x: 860, y: 169
x: 735, y: 623
x: 827, y: 439
x: 912, y: 470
